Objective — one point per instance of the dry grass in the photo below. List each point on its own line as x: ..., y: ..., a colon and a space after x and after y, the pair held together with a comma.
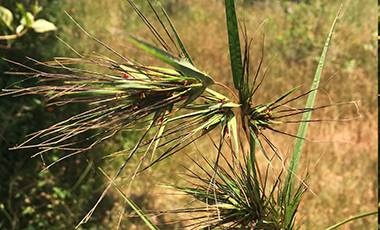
x: 341, y: 156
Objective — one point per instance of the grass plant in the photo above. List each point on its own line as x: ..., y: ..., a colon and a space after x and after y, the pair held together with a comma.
x: 173, y: 105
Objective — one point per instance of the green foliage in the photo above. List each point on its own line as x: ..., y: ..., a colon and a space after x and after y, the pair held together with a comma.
x: 6, y: 17
x: 45, y: 200
x: 27, y: 21
x: 42, y: 26
x: 28, y: 200
x: 297, y: 42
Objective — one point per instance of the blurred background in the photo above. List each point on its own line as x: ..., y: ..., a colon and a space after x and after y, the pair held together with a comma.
x: 340, y: 156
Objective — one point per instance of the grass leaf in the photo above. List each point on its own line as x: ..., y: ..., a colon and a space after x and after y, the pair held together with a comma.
x: 302, y: 129
x: 234, y: 44
x: 233, y: 129
x: 336, y: 226
x: 185, y: 67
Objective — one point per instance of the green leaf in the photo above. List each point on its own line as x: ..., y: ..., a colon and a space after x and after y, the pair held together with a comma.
x: 302, y: 129
x: 36, y: 8
x: 232, y: 127
x: 336, y: 226
x: 28, y: 210
x: 43, y: 26
x: 6, y: 17
x: 217, y: 95
x: 234, y: 44
x: 19, y: 28
x: 21, y: 9
x: 60, y: 193
x: 181, y: 65
x: 27, y: 20
x: 252, y: 153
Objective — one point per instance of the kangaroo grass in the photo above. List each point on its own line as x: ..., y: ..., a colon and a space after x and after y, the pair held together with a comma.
x: 170, y: 107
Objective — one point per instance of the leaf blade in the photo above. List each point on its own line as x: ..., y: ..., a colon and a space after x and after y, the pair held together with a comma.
x: 6, y: 17
x: 43, y: 26
x: 234, y: 44
x: 185, y: 67
x: 302, y: 129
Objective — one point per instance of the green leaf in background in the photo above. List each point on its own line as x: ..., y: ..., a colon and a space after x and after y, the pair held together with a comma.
x: 36, y: 8
x: 21, y: 9
x: 6, y: 17
x: 42, y: 26
x: 27, y: 19
x: 234, y: 44
x: 19, y: 28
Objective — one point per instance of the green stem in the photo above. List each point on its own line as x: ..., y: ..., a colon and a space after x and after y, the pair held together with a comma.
x: 335, y: 226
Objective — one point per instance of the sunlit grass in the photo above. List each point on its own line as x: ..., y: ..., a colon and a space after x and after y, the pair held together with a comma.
x: 355, y: 71
x: 355, y: 74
